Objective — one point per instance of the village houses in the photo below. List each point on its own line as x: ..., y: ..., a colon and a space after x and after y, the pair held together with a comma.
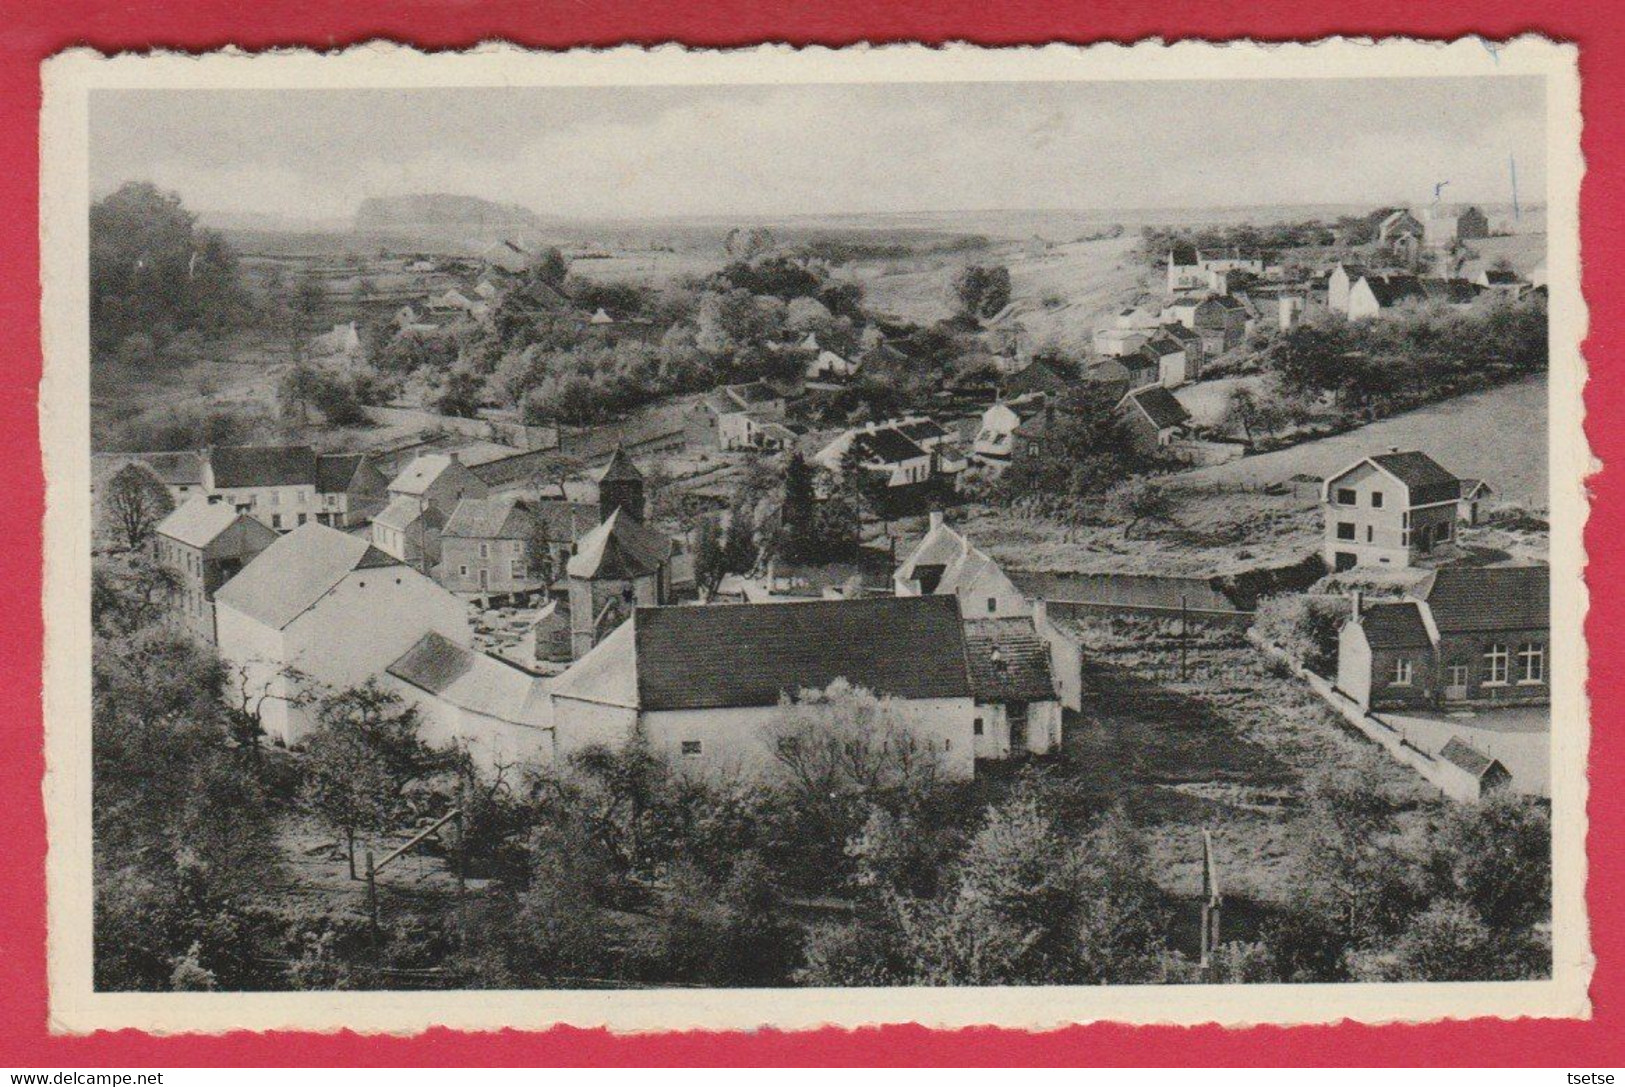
x: 203, y: 544
x: 1463, y: 636
x: 486, y: 548
x: 320, y: 608
x: 288, y: 486
x: 748, y: 417
x: 1390, y: 509
x: 500, y: 713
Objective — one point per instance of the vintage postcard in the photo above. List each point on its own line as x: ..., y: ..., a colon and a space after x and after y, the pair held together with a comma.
x: 668, y: 539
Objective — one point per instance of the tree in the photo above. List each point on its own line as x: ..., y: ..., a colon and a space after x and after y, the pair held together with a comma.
x: 539, y: 552
x: 1140, y: 501
x: 299, y: 386
x: 980, y: 291
x: 710, y: 559
x: 1446, y: 942
x: 1496, y: 855
x: 557, y: 469
x: 798, y: 510
x: 1082, y: 452
x: 135, y: 501
x: 459, y: 395
x: 359, y: 762
x: 549, y: 267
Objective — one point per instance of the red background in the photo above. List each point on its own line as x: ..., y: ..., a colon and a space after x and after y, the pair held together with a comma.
x: 31, y: 30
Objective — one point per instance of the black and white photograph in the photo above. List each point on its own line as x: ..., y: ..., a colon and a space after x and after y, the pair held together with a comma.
x: 926, y: 525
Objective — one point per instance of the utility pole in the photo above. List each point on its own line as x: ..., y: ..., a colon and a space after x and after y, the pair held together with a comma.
x: 372, y: 898
x: 1184, y: 629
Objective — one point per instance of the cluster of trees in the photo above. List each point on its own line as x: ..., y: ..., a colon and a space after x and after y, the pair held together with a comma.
x: 1375, y: 367
x: 1156, y: 241
x: 1085, y: 452
x: 156, y: 276
x: 979, y: 291
x: 820, y: 518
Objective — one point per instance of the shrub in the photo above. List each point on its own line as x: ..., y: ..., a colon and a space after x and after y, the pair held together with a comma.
x: 1305, y: 627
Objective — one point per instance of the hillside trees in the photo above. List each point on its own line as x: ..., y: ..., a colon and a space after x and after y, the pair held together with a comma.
x: 153, y: 272
x: 979, y: 291
x: 1082, y: 453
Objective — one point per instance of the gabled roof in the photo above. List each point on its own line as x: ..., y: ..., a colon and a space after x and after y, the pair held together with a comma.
x: 1164, y: 345
x: 735, y: 655
x: 506, y: 517
x: 1159, y: 407
x: 564, y: 520
x: 404, y: 511
x: 334, y: 471
x: 420, y: 475
x: 1426, y: 479
x: 1183, y: 256
x: 263, y: 466
x: 1008, y: 661
x: 197, y: 522
x: 1176, y: 331
x: 1485, y: 598
x: 753, y: 393
x: 1395, y: 626
x: 887, y: 445
x: 621, y: 547
x: 1459, y: 752
x: 918, y: 430
x: 1391, y: 290
x: 1502, y: 276
x: 296, y: 571
x: 474, y: 681
x: 620, y: 468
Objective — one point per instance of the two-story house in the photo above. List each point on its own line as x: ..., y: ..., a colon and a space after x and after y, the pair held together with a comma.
x: 486, y: 548
x: 1465, y: 635
x: 286, y: 486
x: 203, y: 544
x: 1391, y: 509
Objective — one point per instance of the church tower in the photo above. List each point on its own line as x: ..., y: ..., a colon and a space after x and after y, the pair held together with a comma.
x: 620, y: 487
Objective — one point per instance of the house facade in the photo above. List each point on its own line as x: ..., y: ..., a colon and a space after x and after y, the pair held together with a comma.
x: 291, y: 485
x: 704, y: 685
x: 1467, y: 636
x: 485, y: 548
x: 438, y: 480
x: 322, y: 609
x: 1153, y: 418
x: 410, y: 531
x: 1017, y: 707
x: 203, y: 545
x: 1391, y: 509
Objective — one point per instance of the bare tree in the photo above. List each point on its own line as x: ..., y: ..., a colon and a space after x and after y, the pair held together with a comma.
x: 135, y: 502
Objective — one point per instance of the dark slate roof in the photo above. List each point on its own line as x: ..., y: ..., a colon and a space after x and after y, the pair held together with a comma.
x: 1008, y: 661
x: 726, y: 655
x: 1183, y: 255
x: 1160, y: 407
x: 263, y: 466
x: 620, y: 467
x: 1468, y: 598
x: 1425, y: 478
x: 1463, y: 754
x: 619, y: 548
x: 1164, y: 345
x: 1502, y: 276
x: 887, y: 445
x: 922, y: 429
x: 754, y: 392
x: 1392, y: 290
x: 434, y: 663
x: 1395, y: 626
x: 1453, y: 291
x: 1176, y: 331
x: 566, y: 520
x: 335, y: 470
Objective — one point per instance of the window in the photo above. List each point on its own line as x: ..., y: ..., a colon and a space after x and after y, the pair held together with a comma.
x: 992, y: 604
x: 301, y: 518
x: 276, y: 498
x: 693, y: 748
x: 1376, y: 500
x: 276, y: 520
x: 1441, y: 532
x: 1402, y: 673
x: 462, y: 571
x: 1458, y: 675
x: 517, y: 568
x: 1370, y: 533
x: 1531, y: 663
x: 485, y: 551
x: 1346, y: 496
x: 1345, y: 530
x: 1496, y: 659
x: 977, y: 727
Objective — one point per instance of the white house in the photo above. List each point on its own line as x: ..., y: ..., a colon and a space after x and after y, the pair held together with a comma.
x: 286, y: 486
x: 944, y: 562
x: 499, y: 712
x: 995, y: 438
x: 704, y: 684
x: 828, y: 366
x: 322, y: 608
x: 881, y: 448
x: 440, y: 480
x: 1018, y: 711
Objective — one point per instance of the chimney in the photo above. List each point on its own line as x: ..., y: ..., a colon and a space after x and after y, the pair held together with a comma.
x: 1357, y: 598
x: 936, y: 520
x: 455, y: 456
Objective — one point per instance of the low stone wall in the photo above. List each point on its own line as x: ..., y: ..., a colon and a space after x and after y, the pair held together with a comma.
x: 1441, y: 775
x: 1062, y: 609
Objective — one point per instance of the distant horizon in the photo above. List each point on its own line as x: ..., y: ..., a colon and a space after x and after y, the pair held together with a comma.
x: 765, y: 151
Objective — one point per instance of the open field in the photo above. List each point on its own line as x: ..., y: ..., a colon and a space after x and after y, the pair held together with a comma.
x: 1497, y: 435
x: 1226, y: 747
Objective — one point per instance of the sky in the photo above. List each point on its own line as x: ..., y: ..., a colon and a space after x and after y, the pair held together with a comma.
x: 828, y: 149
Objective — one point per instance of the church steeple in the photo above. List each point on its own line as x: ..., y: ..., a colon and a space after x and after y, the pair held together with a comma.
x: 620, y: 487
